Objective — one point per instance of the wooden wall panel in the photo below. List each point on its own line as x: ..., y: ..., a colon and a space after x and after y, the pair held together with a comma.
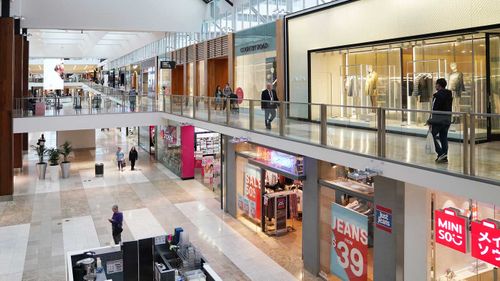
x: 178, y: 80
x: 230, y: 55
x: 26, y: 48
x: 217, y: 74
x: 6, y: 104
x: 18, y: 94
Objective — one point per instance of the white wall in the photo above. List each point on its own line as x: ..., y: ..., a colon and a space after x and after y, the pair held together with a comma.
x: 78, y: 139
x: 116, y: 15
x: 373, y: 20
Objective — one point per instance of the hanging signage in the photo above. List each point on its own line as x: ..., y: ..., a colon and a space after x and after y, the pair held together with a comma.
x: 349, y: 245
x: 167, y: 64
x: 383, y: 218
x: 485, y: 241
x: 251, y: 190
x: 450, y: 229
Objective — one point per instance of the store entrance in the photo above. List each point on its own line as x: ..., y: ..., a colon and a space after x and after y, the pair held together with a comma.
x: 217, y: 74
x: 178, y: 80
x: 269, y: 191
x: 208, y: 160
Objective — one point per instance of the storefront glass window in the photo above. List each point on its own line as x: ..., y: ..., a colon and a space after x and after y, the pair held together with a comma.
x: 495, y: 81
x: 401, y: 75
x: 190, y: 76
x: 449, y: 263
x: 169, y: 147
x: 202, y: 87
x: 255, y: 63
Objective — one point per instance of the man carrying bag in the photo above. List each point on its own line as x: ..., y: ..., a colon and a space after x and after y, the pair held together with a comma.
x: 440, y: 122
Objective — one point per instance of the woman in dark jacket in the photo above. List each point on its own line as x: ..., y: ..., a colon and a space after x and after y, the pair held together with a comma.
x: 132, y: 156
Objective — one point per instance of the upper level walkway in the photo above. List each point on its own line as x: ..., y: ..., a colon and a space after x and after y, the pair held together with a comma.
x: 359, y: 137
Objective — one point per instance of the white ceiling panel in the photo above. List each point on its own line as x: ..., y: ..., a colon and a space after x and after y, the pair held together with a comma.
x: 46, y: 43
x: 117, y: 15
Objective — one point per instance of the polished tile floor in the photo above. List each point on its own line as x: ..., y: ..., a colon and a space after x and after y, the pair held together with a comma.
x: 47, y: 218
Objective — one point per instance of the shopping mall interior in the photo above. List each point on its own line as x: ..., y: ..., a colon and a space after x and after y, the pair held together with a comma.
x: 334, y: 140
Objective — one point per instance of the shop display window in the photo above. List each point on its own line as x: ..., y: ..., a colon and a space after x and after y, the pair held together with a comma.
x: 208, y: 159
x: 346, y: 224
x: 400, y: 75
x: 448, y: 260
x: 169, y: 147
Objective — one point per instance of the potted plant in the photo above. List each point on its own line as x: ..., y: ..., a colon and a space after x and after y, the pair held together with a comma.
x: 41, y: 166
x: 54, y: 155
x: 65, y: 164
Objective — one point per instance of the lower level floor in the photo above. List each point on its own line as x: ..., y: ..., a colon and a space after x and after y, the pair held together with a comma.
x: 48, y: 218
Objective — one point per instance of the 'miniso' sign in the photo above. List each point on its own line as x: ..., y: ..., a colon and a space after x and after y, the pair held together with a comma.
x: 450, y: 229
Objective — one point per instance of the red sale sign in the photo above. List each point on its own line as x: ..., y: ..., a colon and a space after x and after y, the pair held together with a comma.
x: 450, y: 229
x: 485, y: 241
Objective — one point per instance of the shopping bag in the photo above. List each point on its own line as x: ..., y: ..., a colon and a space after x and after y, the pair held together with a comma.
x: 429, y: 143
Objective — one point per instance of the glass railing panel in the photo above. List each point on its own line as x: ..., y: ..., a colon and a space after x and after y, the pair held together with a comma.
x: 266, y: 117
x: 352, y: 128
x: 219, y: 114
x: 408, y: 139
x: 177, y: 101
x: 306, y: 130
x: 188, y: 106
x: 201, y: 105
x: 239, y: 113
x: 167, y: 103
x: 486, y: 148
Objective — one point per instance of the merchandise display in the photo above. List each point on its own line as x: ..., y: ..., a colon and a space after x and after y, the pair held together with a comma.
x: 401, y: 75
x: 208, y: 159
x: 269, y: 189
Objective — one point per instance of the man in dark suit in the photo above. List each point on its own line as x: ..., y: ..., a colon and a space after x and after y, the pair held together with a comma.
x: 269, y: 103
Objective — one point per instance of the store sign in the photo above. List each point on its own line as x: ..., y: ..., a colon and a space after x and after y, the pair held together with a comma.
x: 383, y: 218
x: 252, y: 191
x: 167, y: 64
x: 485, y: 241
x: 254, y: 48
x: 349, y: 245
x: 450, y: 229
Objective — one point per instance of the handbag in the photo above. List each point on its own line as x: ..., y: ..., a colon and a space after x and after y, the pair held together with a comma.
x: 429, y: 143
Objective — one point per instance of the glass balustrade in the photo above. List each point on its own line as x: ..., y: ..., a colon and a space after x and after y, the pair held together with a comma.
x: 399, y: 135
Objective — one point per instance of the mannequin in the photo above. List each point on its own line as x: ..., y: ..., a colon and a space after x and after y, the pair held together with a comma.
x: 456, y: 85
x: 371, y: 85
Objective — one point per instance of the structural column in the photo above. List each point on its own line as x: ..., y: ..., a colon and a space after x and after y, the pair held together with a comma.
x: 6, y: 97
x: 229, y: 176
x: 310, y: 216
x: 18, y: 90
x: 388, y: 257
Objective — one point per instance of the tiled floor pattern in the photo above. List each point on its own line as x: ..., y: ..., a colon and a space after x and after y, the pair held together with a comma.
x: 13, y: 242
x: 55, y: 215
x: 247, y: 257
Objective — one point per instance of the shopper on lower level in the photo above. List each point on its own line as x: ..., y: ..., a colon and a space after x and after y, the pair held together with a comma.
x: 116, y: 224
x: 120, y: 157
x: 132, y: 156
x: 269, y: 103
x: 442, y: 100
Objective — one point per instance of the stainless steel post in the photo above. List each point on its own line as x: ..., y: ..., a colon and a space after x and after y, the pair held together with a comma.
x: 194, y: 107
x: 472, y: 147
x: 465, y: 152
x: 228, y: 110
x: 251, y: 115
x: 282, y: 122
x: 182, y: 105
x: 324, y: 128
x: 380, y: 132
x: 209, y: 116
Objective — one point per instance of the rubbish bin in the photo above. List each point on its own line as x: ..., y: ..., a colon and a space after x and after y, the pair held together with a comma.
x: 99, y: 169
